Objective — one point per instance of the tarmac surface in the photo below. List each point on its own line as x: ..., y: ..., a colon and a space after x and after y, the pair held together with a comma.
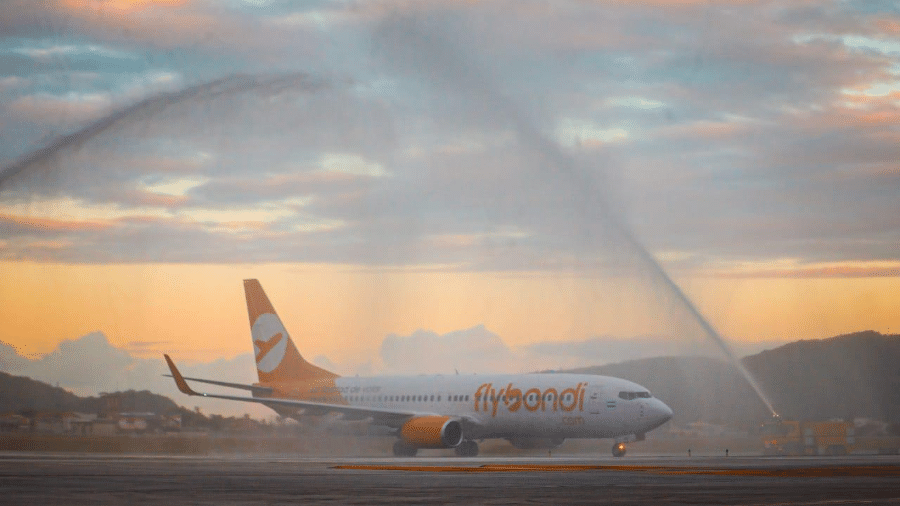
x: 42, y: 478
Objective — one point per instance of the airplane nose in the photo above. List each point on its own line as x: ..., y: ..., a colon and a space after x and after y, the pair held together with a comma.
x: 661, y: 413
x: 665, y: 412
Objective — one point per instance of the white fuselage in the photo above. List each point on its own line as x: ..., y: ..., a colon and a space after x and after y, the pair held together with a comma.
x: 516, y: 406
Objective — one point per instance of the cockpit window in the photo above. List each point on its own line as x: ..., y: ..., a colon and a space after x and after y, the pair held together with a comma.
x: 634, y: 395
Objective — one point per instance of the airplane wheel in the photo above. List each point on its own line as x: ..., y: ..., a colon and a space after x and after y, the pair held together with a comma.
x: 467, y: 449
x: 402, y: 449
x: 618, y: 450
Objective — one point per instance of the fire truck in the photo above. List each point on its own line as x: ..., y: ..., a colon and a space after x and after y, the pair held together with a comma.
x: 792, y: 437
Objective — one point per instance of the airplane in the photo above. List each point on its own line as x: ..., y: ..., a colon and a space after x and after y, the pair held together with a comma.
x: 537, y: 410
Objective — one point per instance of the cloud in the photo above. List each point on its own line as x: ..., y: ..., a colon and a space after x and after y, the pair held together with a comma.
x: 738, y: 131
x: 42, y: 108
x: 208, y: 27
x: 91, y: 365
x: 478, y: 350
x: 815, y: 270
x: 471, y: 350
x: 11, y: 224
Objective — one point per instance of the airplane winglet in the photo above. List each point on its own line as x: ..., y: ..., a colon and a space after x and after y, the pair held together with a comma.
x: 179, y: 379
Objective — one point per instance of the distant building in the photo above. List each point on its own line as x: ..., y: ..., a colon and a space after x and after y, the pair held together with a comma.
x: 140, y: 423
x: 12, y: 422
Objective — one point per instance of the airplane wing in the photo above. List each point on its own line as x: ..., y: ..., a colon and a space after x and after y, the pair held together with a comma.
x: 380, y: 416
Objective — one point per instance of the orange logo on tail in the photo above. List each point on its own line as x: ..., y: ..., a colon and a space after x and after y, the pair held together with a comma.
x: 265, y: 347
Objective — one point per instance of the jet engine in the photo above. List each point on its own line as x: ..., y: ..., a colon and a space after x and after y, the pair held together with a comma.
x: 432, y: 432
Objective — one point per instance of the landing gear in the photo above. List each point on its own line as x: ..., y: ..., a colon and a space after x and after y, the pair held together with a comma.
x: 401, y: 449
x: 467, y: 449
x: 618, y: 450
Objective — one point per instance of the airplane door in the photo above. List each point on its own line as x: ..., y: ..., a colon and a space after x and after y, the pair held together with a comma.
x: 594, y: 403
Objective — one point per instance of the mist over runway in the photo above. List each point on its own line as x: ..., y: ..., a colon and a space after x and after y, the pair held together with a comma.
x: 89, y: 479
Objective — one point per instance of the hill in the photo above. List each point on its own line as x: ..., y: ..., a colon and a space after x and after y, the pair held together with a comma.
x: 847, y: 376
x: 18, y: 393
x: 853, y: 375
x: 696, y: 388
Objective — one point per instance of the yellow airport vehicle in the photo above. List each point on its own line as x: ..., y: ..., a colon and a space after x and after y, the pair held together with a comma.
x: 792, y: 437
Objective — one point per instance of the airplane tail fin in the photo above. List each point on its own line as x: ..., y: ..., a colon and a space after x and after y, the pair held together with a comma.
x: 277, y: 358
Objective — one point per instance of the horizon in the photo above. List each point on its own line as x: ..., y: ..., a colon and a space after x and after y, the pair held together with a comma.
x: 121, y: 369
x: 225, y: 408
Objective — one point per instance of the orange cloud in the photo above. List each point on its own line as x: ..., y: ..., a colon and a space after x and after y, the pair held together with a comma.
x: 49, y: 108
x: 174, y: 23
x: 891, y: 26
x: 878, y: 118
x: 858, y: 110
x: 119, y: 5
x: 705, y: 129
x: 52, y: 225
x: 834, y: 270
x: 244, y: 225
x: 157, y: 199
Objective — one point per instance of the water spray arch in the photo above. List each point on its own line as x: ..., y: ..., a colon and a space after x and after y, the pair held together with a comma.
x: 556, y: 162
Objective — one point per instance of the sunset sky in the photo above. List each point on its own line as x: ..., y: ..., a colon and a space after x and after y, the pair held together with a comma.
x: 457, y: 168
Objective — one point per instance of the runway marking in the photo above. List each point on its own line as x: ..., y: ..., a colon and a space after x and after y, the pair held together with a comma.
x: 807, y: 472
x: 829, y: 502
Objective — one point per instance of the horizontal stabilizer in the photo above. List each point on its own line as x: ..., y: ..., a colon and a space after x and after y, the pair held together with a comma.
x: 381, y: 416
x: 256, y: 389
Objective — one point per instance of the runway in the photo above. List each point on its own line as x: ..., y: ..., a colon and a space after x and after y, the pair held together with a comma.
x: 38, y: 478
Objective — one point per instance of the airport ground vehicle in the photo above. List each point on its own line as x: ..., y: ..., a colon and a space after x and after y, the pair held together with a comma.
x: 793, y: 437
